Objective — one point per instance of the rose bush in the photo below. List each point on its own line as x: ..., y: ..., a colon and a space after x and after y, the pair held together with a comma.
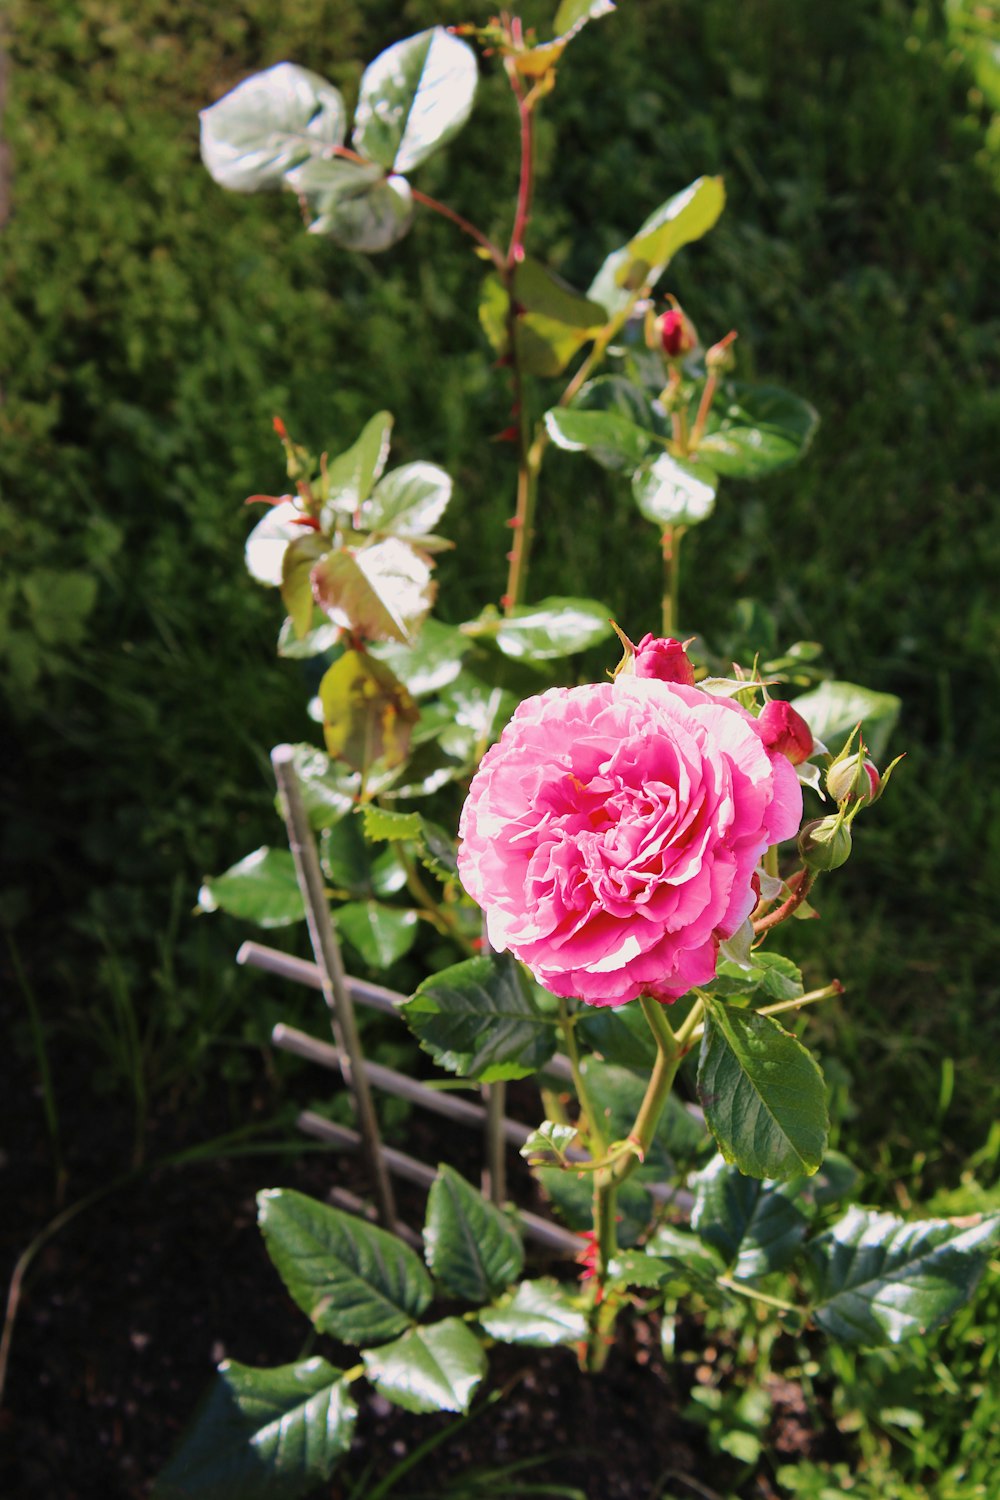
x: 612, y: 834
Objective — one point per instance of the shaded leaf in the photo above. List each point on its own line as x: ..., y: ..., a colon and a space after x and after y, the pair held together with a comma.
x: 540, y: 1314
x: 683, y: 218
x: 254, y: 134
x: 472, y: 1248
x: 689, y: 1257
x: 260, y: 888
x: 478, y: 1019
x: 773, y: 974
x: 610, y: 439
x: 300, y: 558
x: 554, y: 320
x: 351, y: 476
x: 550, y: 1139
x: 674, y: 492
x: 755, y: 1227
x: 345, y: 857
x: 413, y: 98
x: 381, y: 934
x: 329, y: 792
x: 762, y: 1093
x: 880, y: 1280
x: 572, y: 1194
x: 263, y: 1434
x: 436, y: 1368
x: 352, y: 1280
x: 762, y: 429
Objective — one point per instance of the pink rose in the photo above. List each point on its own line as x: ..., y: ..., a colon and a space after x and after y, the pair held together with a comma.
x: 665, y: 659
x: 612, y: 835
x: 783, y: 728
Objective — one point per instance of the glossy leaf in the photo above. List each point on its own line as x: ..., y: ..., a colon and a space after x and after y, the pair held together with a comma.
x: 690, y: 1257
x: 550, y: 1139
x: 754, y: 1226
x: 367, y: 714
x: 761, y: 430
x: 413, y: 98
x: 382, y: 823
x: 683, y: 218
x: 572, y: 14
x: 479, y: 1019
x: 762, y: 1093
x: 328, y: 790
x: 381, y: 592
x: 540, y: 1314
x: 552, y: 628
x: 429, y: 663
x: 436, y: 1368
x: 351, y: 476
x: 439, y: 852
x: 834, y: 709
x: 409, y: 501
x: 381, y: 934
x: 774, y: 975
x: 554, y: 320
x: 352, y: 1280
x: 345, y: 857
x: 262, y: 128
x: 261, y: 888
x: 270, y: 539
x: 370, y: 217
x: 320, y: 638
x: 881, y: 1280
x: 674, y: 492
x: 297, y: 564
x: 472, y: 1248
x: 610, y: 439
x: 263, y: 1434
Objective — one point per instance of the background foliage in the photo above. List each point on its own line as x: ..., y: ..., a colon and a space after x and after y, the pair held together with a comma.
x: 153, y: 324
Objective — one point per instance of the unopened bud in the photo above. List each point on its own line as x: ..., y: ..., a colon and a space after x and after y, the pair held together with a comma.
x: 825, y: 843
x: 854, y: 781
x: 675, y: 333
x: 784, y: 730
x: 663, y: 659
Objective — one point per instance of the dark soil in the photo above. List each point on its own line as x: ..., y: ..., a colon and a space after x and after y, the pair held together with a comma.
x: 129, y: 1306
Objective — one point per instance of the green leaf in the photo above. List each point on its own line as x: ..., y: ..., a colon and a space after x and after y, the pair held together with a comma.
x: 328, y: 791
x: 381, y: 592
x: 369, y: 217
x: 610, y: 439
x: 834, y: 709
x: 263, y: 1434
x: 436, y: 1368
x: 320, y: 638
x: 381, y: 934
x: 439, y: 852
x: 472, y: 1248
x: 554, y: 320
x: 690, y: 1258
x: 300, y: 558
x: 413, y: 98
x: 774, y: 974
x: 550, y: 1139
x: 762, y: 1093
x: 253, y: 135
x: 261, y: 888
x: 270, y: 539
x: 345, y: 857
x: 552, y: 628
x: 572, y: 14
x: 429, y: 663
x: 540, y: 1314
x: 572, y: 1194
x: 367, y: 714
x: 755, y: 1227
x: 762, y: 429
x: 352, y: 1280
x: 685, y: 217
x: 479, y: 1019
x: 616, y: 1095
x: 880, y: 1280
x: 674, y: 492
x: 381, y: 823
x: 409, y: 501
x: 351, y: 476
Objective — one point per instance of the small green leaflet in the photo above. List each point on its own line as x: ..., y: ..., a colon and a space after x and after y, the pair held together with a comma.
x: 413, y: 98
x: 266, y: 125
x: 539, y: 1314
x: 381, y: 823
x: 553, y: 628
x: 674, y: 492
x: 472, y: 1248
x: 261, y: 888
x: 685, y: 217
x: 436, y: 1368
x: 550, y: 1139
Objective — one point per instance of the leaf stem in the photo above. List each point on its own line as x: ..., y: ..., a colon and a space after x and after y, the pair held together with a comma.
x: 756, y: 1296
x: 812, y: 998
x: 594, y: 1131
x: 800, y: 884
x: 529, y: 457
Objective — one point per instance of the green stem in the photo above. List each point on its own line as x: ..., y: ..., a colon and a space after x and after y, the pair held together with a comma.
x: 688, y: 1028
x: 523, y: 521
x: 435, y: 913
x: 595, y: 1134
x: 671, y: 577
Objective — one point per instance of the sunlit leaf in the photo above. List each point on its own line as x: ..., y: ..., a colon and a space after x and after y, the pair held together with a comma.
x: 435, y: 1368
x: 367, y: 714
x: 685, y: 217
x: 409, y: 501
x: 261, y: 888
x: 270, y: 539
x: 554, y: 319
x: 540, y: 1314
x: 413, y: 98
x: 366, y: 216
x: 266, y: 125
x: 674, y: 491
x: 834, y: 709
x: 381, y: 592
x: 351, y: 476
x: 759, y: 430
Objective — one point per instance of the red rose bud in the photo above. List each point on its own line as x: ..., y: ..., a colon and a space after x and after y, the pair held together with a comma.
x: 676, y: 335
x: 825, y: 843
x: 784, y: 730
x: 664, y: 659
x: 854, y: 781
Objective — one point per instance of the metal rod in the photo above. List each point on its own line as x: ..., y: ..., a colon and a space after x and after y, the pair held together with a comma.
x: 495, y: 1166
x: 326, y: 951
x: 289, y: 1039
x: 534, y: 1227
